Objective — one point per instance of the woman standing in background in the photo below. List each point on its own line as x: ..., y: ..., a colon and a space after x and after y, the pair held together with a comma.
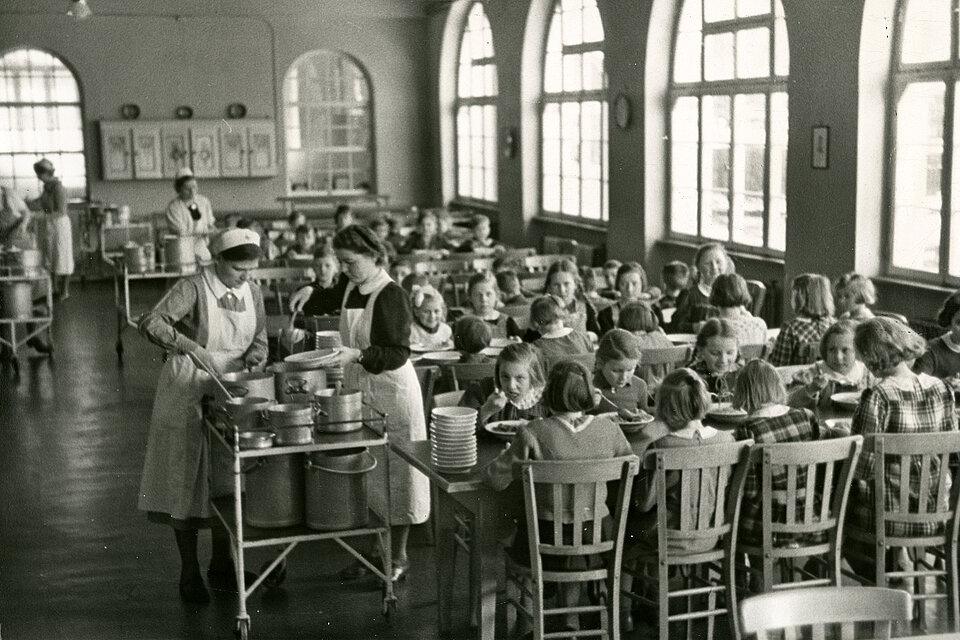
x: 59, y: 233
x: 190, y: 214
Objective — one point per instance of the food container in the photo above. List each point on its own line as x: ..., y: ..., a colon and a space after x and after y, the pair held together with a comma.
x: 178, y: 252
x: 257, y: 384
x: 26, y: 262
x: 327, y: 339
x: 134, y: 257
x: 293, y: 414
x: 292, y: 384
x: 311, y: 359
x: 246, y: 414
x: 292, y: 436
x: 336, y: 489
x: 255, y: 439
x: 338, y: 411
x: 274, y: 494
x: 16, y: 299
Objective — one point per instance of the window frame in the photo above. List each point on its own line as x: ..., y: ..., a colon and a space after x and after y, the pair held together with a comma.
x: 87, y: 174
x: 600, y: 95
x: 370, y: 148
x: 902, y: 75
x: 766, y: 86
x: 481, y: 101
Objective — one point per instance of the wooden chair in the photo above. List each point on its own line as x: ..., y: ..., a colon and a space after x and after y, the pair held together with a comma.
x: 705, y: 516
x: 920, y: 465
x: 533, y: 282
x: 820, y: 607
x: 656, y: 363
x: 758, y: 293
x: 520, y: 314
x: 457, y: 376
x: 751, y: 351
x: 446, y: 399
x: 427, y: 375
x: 576, y: 488
x: 540, y: 264
x: 277, y: 282
x: 803, y: 519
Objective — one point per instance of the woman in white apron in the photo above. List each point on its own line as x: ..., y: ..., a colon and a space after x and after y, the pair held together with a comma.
x: 375, y: 324
x: 59, y: 232
x: 215, y: 317
x: 190, y: 214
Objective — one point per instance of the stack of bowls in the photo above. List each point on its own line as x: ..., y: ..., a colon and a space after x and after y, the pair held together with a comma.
x: 453, y: 440
x: 330, y: 340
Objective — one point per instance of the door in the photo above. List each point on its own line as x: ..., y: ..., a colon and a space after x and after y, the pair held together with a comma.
x: 116, y: 151
x: 204, y: 151
x: 233, y: 150
x: 147, y: 151
x: 176, y: 149
x: 262, y: 148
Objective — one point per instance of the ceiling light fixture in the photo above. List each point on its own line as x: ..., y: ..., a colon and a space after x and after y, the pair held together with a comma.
x: 79, y: 9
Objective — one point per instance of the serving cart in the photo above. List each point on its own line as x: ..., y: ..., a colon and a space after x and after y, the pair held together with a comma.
x: 23, y: 328
x: 122, y: 279
x: 230, y: 509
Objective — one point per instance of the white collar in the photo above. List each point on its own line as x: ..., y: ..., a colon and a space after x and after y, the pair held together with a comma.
x: 559, y: 333
x: 493, y: 315
x: 217, y: 286
x: 375, y: 282
x: 693, y: 429
x: 704, y: 289
x: 578, y: 425
x: 770, y: 411
x: 950, y: 344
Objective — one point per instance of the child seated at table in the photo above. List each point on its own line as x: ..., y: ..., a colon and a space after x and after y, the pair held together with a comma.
x: 942, y: 358
x: 630, y: 283
x: 564, y: 283
x: 511, y: 293
x: 556, y: 340
x: 640, y: 319
x: 295, y: 220
x: 568, y: 434
x: 426, y: 237
x: 324, y: 296
x: 484, y: 299
x: 590, y: 286
x: 342, y: 217
x: 760, y: 393
x: 380, y: 225
x: 676, y: 278
x: 445, y: 230
x: 609, y: 285
x: 471, y: 336
x: 854, y: 294
x: 516, y: 389
x: 303, y: 245
x: 716, y: 357
x: 481, y: 240
x: 429, y: 330
x: 837, y: 371
x: 620, y: 389
x: 399, y: 270
x: 812, y: 302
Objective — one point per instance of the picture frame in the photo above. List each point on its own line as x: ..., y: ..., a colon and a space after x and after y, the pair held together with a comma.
x: 820, y: 147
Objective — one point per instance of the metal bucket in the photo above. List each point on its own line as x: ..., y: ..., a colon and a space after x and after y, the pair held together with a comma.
x: 246, y: 414
x: 16, y: 299
x: 295, y: 385
x: 178, y: 251
x: 337, y: 489
x: 275, y: 491
x: 338, y: 411
x: 257, y: 384
x: 135, y: 258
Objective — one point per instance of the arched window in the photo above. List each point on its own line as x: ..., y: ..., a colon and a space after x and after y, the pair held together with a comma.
x: 477, y: 110
x: 574, y: 123
x: 40, y: 116
x: 924, y: 206
x: 728, y: 123
x: 328, y: 124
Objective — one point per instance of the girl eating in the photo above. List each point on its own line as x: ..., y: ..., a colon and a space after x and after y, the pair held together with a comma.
x: 563, y: 282
x: 514, y: 392
x: 693, y: 304
x: 837, y: 371
x: 630, y: 283
x: 471, y: 336
x: 556, y: 340
x: 716, y: 357
x: 484, y: 298
x: 426, y: 237
x: 429, y: 329
x: 730, y: 296
x: 942, y: 357
x: 641, y: 320
x: 620, y: 390
x: 854, y: 293
x: 813, y: 304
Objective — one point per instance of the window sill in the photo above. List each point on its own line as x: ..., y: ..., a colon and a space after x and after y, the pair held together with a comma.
x: 735, y: 252
x: 480, y: 206
x: 914, y: 284
x: 575, y: 223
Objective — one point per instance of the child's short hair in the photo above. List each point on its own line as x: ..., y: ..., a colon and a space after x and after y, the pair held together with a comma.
x: 712, y: 246
x: 412, y: 280
x: 302, y: 230
x: 682, y: 398
x: 380, y: 221
x: 422, y: 294
x: 507, y: 279
x: 618, y: 344
x: 638, y: 316
x: 715, y: 328
x: 812, y: 296
x: 478, y: 219
x: 324, y: 251
x: 859, y: 287
x: 612, y: 264
x: 730, y: 290
x: 427, y: 213
x: 758, y: 384
x: 949, y: 309
x: 341, y: 211
x: 564, y: 265
x: 589, y: 279
x: 628, y: 268
x: 883, y: 343
x: 569, y: 388
x: 524, y: 354
x: 482, y: 277
x: 294, y: 216
x: 675, y: 274
x: 545, y: 310
x: 471, y: 334
x: 839, y: 327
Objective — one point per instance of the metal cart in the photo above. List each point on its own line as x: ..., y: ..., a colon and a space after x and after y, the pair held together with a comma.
x: 230, y: 510
x: 122, y: 277
x: 23, y: 329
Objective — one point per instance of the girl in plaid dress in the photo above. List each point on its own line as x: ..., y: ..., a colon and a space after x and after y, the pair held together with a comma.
x: 901, y: 402
x: 813, y: 304
x: 838, y: 371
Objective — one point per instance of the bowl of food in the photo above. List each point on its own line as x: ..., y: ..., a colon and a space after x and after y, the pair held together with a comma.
x: 504, y: 429
x: 846, y: 400
x: 726, y: 413
x: 838, y: 425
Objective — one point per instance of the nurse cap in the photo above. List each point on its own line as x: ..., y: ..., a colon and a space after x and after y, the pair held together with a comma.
x: 234, y: 238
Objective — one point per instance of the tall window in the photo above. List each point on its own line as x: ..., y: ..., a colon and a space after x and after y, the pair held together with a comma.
x: 925, y: 194
x: 575, y: 169
x: 40, y: 117
x: 728, y: 123
x: 477, y: 110
x: 328, y: 124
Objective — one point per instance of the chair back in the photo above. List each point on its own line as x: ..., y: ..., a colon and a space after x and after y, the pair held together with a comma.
x: 804, y: 489
x: 751, y: 351
x: 656, y: 363
x: 427, y: 375
x: 458, y: 375
x: 276, y: 282
x: 520, y: 314
x: 788, y: 612
x: 758, y: 293
x: 441, y: 267
x: 540, y: 264
x: 809, y: 352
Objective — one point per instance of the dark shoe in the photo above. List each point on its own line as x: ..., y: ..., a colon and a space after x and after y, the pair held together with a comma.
x: 193, y: 590
x: 226, y: 579
x: 354, y: 571
x: 39, y: 344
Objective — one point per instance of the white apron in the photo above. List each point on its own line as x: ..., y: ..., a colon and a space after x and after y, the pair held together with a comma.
x: 176, y: 468
x: 396, y: 393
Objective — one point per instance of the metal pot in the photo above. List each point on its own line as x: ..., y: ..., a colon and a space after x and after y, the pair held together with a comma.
x: 23, y: 261
x: 295, y: 435
x: 258, y: 384
x: 297, y: 385
x: 337, y: 489
x: 134, y: 257
x: 178, y: 251
x: 16, y: 299
x: 338, y: 411
x: 274, y: 491
x: 293, y: 414
x: 256, y: 439
x: 245, y: 414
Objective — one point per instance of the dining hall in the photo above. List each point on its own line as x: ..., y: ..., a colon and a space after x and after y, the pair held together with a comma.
x: 479, y: 319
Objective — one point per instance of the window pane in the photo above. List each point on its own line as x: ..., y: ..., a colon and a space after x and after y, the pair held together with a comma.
x: 917, y: 196
x: 715, y: 169
x: 717, y: 10
x: 553, y: 73
x: 781, y: 63
x: 572, y: 72
x: 572, y: 22
x: 592, y: 25
x: 686, y: 61
x: 551, y: 193
x: 685, y: 142
x: 746, y: 8
x: 955, y: 203
x: 570, y: 196
x: 778, y: 171
x: 926, y: 31
x: 753, y: 53
x: 718, y: 56
x: 749, y: 168
x: 593, y: 71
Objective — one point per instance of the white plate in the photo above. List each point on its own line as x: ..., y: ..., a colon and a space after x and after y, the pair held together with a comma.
x: 442, y: 356
x: 504, y: 429
x: 456, y: 413
x: 682, y: 338
x: 847, y: 399
x: 500, y: 343
x: 318, y: 357
x: 724, y: 412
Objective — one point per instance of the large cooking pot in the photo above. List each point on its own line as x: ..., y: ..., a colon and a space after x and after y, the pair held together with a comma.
x: 274, y: 491
x: 16, y: 299
x: 338, y: 410
x: 23, y: 261
x: 290, y: 415
x: 293, y: 384
x: 337, y: 489
x: 178, y: 251
x: 134, y: 257
x: 257, y: 384
x: 246, y: 414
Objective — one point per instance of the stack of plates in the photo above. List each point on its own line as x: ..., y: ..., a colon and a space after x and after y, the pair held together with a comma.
x: 334, y: 375
x: 453, y: 442
x: 328, y: 340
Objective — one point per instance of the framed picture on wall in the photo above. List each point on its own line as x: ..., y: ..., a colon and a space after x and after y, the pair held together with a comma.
x: 820, y: 147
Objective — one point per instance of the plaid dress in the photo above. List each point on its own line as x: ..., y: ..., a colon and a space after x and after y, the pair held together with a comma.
x: 794, y: 334
x: 796, y: 425
x: 926, y: 406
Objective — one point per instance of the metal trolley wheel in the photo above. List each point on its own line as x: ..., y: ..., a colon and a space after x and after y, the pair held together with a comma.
x: 242, y: 631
